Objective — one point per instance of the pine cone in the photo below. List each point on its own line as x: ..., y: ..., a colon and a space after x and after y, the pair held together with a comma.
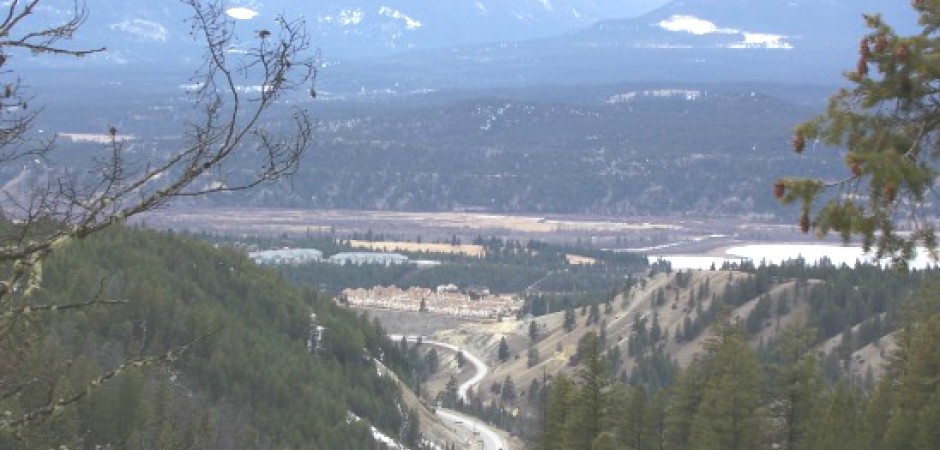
x: 881, y: 43
x: 799, y: 142
x: 863, y: 49
x: 779, y: 189
x: 901, y: 52
x: 890, y: 192
x: 862, y: 68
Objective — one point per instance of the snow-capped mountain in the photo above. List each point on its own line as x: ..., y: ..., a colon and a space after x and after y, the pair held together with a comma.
x: 146, y: 30
x: 793, y: 41
x: 376, y: 26
x: 747, y: 24
x: 414, y: 45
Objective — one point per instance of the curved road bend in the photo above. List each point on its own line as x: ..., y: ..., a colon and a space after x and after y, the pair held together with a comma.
x: 491, y: 439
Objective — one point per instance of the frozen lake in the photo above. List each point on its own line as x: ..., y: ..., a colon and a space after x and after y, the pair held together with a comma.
x: 777, y: 253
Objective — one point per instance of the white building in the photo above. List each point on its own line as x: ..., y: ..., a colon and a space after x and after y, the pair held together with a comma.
x: 362, y: 258
x: 291, y: 256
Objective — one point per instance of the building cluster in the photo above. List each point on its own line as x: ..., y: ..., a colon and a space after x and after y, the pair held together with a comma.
x: 443, y: 300
x: 295, y: 256
x: 368, y: 258
x: 286, y: 256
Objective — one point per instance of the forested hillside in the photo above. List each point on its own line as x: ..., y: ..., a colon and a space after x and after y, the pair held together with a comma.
x: 625, y: 149
x: 729, y: 398
x: 634, y: 150
x: 254, y: 374
x: 847, y: 323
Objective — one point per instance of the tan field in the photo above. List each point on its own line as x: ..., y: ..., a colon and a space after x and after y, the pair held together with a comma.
x: 577, y: 260
x: 392, y: 246
x: 95, y: 138
x: 293, y: 221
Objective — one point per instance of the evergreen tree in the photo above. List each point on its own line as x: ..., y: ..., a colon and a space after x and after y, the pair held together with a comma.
x: 431, y: 362
x: 728, y: 417
x: 592, y: 408
x: 684, y: 404
x: 448, y: 397
x: 503, y: 351
x: 928, y: 433
x: 795, y: 388
x: 411, y: 435
x: 508, y: 392
x: 840, y: 426
x: 879, y: 410
x: 532, y: 356
x: 594, y: 315
x: 886, y: 123
x: 916, y: 383
x: 554, y: 426
x: 638, y: 422
x: 570, y: 320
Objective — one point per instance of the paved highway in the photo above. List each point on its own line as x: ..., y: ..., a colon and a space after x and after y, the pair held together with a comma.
x: 491, y: 439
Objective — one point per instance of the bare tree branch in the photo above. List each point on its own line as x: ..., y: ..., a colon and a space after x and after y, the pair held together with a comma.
x: 234, y: 121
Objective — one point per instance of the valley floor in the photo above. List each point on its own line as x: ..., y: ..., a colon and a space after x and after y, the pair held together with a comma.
x: 662, y: 234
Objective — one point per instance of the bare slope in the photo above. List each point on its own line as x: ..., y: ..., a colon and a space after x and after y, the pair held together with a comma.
x: 672, y: 300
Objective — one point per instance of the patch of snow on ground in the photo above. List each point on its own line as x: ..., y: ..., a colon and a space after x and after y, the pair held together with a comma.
x: 761, y: 40
x: 390, y: 443
x: 377, y: 434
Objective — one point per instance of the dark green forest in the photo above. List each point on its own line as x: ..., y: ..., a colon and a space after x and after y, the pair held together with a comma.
x: 508, y: 266
x: 252, y: 374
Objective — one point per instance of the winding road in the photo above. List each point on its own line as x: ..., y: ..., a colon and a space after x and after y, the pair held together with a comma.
x: 491, y: 439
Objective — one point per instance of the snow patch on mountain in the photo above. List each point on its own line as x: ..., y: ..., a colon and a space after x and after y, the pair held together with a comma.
x: 761, y: 40
x: 344, y: 18
x: 691, y: 24
x: 410, y: 23
x: 350, y: 17
x: 682, y: 94
x: 701, y: 27
x: 142, y: 29
x: 241, y: 13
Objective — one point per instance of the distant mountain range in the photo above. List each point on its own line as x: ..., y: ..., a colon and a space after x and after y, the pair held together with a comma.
x: 145, y: 31
x: 580, y: 122
x: 372, y: 27
x: 802, y: 41
x: 396, y: 46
